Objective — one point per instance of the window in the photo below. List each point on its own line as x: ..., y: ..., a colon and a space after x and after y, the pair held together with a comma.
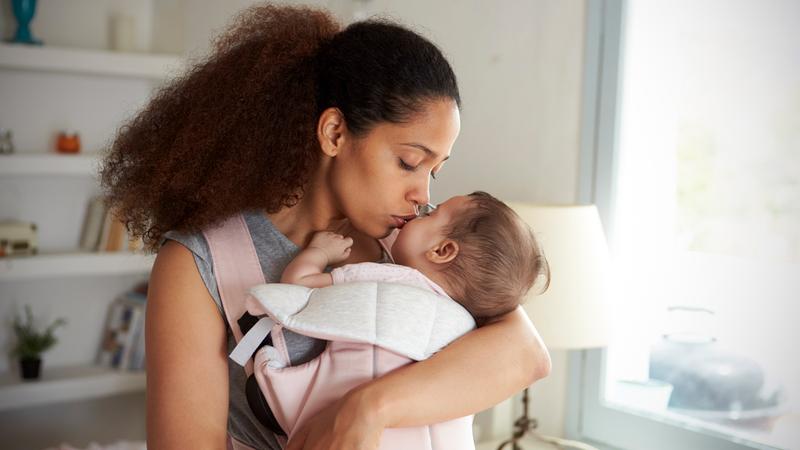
x: 697, y: 175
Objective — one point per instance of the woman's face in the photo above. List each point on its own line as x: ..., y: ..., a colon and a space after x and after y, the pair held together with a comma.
x: 378, y: 178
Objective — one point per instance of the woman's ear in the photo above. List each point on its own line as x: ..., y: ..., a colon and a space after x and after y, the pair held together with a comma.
x: 330, y: 131
x: 443, y: 252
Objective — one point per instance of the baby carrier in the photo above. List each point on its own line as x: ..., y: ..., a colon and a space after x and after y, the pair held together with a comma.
x: 372, y: 328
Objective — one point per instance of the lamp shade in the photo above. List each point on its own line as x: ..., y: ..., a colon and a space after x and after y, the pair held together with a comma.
x: 573, y: 313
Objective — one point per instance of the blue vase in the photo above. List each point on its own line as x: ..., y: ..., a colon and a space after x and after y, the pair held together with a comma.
x: 24, y: 10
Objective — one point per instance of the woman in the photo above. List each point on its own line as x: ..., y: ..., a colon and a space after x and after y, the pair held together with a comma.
x: 301, y: 127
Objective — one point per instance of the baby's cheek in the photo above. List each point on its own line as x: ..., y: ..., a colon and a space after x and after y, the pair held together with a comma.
x: 399, y: 250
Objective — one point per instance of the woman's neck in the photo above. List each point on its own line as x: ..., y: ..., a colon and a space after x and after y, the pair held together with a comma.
x: 316, y: 211
x: 302, y: 220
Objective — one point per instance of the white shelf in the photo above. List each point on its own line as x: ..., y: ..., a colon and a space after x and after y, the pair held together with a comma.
x: 74, y: 264
x: 61, y: 384
x: 89, y: 62
x: 49, y: 164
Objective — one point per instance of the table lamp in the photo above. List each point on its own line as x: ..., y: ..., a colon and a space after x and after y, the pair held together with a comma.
x: 572, y: 313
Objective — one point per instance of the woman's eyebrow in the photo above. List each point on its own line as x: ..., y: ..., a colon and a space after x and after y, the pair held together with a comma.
x: 425, y: 149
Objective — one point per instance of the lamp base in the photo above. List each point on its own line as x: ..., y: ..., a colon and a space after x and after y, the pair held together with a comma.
x: 522, y: 426
x: 527, y: 425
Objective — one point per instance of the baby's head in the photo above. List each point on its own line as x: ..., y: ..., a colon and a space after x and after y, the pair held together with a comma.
x: 478, y: 250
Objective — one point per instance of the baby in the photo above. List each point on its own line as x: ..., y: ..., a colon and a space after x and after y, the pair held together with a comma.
x: 473, y: 249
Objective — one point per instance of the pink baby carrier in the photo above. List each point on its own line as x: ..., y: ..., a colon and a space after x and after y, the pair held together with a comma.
x: 296, y: 393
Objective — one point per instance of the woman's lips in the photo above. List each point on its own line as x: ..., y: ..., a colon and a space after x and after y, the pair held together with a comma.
x: 401, y: 221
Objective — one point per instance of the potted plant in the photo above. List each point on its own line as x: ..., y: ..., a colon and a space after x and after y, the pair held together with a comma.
x: 31, y: 343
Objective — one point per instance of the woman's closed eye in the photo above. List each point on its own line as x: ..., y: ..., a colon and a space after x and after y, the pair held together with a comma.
x: 409, y: 168
x: 406, y: 166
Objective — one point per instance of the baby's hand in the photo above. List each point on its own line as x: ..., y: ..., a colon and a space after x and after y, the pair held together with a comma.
x: 335, y: 246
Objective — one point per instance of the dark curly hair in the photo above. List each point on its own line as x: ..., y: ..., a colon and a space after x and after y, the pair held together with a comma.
x: 238, y: 131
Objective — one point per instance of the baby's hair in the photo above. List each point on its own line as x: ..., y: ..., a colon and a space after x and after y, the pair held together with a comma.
x: 499, y: 258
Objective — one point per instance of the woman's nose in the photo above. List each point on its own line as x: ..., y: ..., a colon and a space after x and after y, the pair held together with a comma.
x: 420, y: 194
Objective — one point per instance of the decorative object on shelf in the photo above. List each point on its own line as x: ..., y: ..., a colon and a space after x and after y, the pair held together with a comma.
x: 572, y: 313
x: 122, y: 346
x: 103, y: 231
x: 68, y: 142
x: 93, y: 224
x: 18, y: 238
x: 6, y: 142
x: 32, y: 343
x: 24, y: 10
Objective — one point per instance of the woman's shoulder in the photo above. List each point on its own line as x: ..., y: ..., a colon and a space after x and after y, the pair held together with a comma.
x: 195, y: 242
x: 262, y: 232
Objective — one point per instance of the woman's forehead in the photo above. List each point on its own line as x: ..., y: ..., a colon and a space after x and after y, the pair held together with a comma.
x: 432, y: 133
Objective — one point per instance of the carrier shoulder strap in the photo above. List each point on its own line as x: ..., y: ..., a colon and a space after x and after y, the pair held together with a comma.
x: 236, y: 269
x: 388, y: 242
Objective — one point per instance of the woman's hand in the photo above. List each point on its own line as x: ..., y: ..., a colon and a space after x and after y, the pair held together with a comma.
x: 352, y: 423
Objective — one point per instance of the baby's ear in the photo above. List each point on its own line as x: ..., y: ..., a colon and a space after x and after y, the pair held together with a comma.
x: 443, y: 252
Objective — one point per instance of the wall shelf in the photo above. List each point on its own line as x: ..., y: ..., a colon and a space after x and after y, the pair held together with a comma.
x: 60, y: 384
x: 49, y: 164
x: 74, y: 264
x: 89, y: 62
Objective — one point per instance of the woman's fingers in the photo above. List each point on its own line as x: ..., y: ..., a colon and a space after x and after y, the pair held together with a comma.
x: 337, y: 427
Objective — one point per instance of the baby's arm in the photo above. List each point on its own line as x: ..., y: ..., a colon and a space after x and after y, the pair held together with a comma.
x: 307, y: 268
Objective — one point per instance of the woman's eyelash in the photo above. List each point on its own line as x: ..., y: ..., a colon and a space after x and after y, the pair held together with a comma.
x: 406, y: 166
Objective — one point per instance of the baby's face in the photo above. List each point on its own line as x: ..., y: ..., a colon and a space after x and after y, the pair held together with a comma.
x: 423, y: 233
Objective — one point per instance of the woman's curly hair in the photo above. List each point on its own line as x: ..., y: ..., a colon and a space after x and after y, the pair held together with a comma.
x: 237, y: 132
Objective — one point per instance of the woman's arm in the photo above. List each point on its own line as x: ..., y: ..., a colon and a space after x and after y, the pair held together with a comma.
x: 187, y: 369
x: 475, y: 372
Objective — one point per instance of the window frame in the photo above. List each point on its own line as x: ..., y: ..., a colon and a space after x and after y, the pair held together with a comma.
x: 588, y: 418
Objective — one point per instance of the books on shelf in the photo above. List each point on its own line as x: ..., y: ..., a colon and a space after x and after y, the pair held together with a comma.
x: 93, y: 224
x: 122, y: 344
x: 104, y: 232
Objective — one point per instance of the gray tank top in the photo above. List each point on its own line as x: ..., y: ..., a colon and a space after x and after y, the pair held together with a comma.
x: 274, y: 251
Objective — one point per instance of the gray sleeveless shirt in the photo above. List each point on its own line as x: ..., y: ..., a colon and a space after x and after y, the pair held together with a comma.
x: 274, y: 251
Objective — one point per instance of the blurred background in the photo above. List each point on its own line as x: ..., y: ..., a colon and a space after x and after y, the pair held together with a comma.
x: 679, y: 120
